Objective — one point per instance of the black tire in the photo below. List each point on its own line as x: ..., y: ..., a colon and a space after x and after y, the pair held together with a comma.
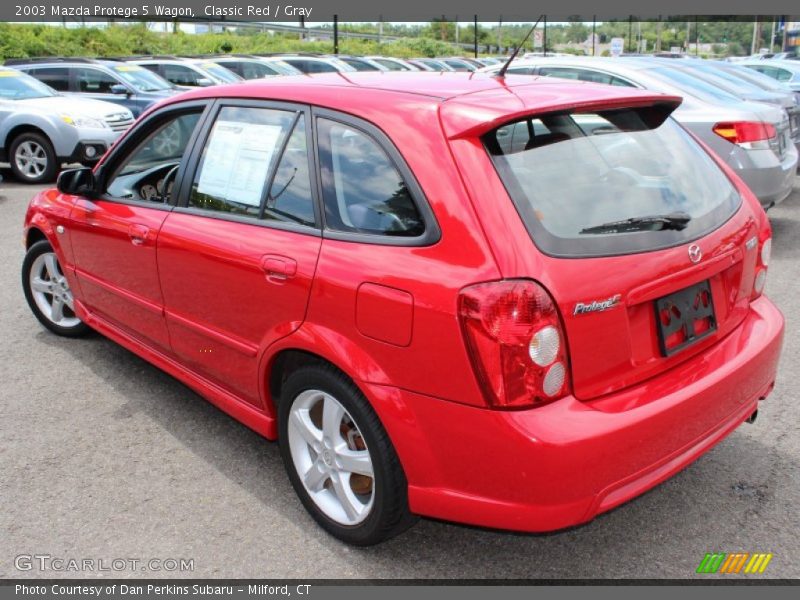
x: 389, y: 514
x: 51, y: 167
x: 34, y: 252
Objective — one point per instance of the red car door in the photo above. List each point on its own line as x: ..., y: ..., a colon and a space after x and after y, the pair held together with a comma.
x: 113, y: 235
x: 237, y: 257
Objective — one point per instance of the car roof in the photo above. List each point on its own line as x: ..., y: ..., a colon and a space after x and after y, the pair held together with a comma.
x: 66, y: 62
x: 468, y: 102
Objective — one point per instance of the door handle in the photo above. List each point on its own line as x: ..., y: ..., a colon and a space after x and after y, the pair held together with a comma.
x: 278, y: 268
x: 138, y: 234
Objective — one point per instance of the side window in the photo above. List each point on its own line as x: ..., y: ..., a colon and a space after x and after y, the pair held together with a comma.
x: 93, y: 81
x: 456, y: 65
x: 152, y: 67
x: 317, y: 66
x: 290, y: 195
x: 148, y: 172
x: 181, y: 75
x: 252, y: 70
x: 524, y: 135
x: 559, y: 72
x: 363, y: 192
x: 234, y: 66
x: 620, y: 82
x: 522, y: 70
x: 783, y: 74
x: 237, y: 160
x: 56, y: 77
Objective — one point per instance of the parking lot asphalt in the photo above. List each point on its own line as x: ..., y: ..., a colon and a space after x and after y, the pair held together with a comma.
x: 103, y: 457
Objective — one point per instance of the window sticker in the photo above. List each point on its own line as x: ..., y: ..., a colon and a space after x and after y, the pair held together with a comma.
x: 237, y: 161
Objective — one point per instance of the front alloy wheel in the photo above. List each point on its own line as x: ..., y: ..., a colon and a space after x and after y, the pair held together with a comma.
x: 32, y: 158
x: 48, y: 293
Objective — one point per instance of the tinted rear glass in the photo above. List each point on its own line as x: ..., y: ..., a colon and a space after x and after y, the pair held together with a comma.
x: 572, y: 176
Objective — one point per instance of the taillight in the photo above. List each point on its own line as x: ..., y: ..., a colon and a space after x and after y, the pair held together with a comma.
x: 762, y: 262
x: 748, y: 134
x: 515, y: 341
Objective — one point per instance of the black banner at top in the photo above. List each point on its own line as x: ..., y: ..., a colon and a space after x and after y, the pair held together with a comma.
x: 377, y: 10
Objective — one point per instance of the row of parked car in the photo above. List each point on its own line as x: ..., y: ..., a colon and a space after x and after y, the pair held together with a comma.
x: 41, y: 128
x: 750, y: 119
x: 58, y: 110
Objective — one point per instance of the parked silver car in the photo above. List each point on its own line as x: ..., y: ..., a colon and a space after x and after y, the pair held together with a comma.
x: 186, y: 72
x: 784, y: 71
x: 753, y: 138
x: 760, y: 79
x: 41, y: 129
x: 311, y: 64
x: 721, y: 75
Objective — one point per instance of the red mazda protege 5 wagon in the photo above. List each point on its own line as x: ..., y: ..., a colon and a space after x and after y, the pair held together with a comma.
x: 504, y: 302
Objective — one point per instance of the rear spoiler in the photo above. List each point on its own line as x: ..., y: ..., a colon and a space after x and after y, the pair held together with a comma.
x: 466, y: 118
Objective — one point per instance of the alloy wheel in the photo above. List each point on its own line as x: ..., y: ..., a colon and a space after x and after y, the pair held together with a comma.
x: 51, y: 292
x: 331, y: 457
x: 31, y: 159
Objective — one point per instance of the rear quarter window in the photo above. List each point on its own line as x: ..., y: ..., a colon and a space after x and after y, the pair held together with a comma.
x: 363, y: 190
x: 572, y: 177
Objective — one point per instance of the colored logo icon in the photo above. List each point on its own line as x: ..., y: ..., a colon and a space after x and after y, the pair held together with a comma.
x: 737, y: 562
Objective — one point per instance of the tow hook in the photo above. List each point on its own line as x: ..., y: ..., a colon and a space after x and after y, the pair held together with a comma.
x: 752, y: 418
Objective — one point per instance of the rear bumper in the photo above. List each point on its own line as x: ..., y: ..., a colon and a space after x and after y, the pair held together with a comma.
x: 769, y: 179
x: 564, y: 463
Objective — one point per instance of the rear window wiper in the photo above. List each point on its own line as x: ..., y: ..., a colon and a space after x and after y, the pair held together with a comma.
x: 675, y: 221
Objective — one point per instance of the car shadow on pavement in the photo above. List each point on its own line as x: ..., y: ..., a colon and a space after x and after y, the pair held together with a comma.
x: 717, y: 503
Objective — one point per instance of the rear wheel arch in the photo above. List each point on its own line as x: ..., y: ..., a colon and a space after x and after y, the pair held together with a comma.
x: 284, y: 363
x: 300, y: 348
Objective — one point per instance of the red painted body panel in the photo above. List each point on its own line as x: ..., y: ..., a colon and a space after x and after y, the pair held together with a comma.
x: 214, y: 302
x: 223, y: 308
x: 114, y: 246
x: 566, y: 462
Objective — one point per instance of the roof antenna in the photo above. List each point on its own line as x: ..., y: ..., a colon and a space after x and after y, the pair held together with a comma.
x: 502, y: 72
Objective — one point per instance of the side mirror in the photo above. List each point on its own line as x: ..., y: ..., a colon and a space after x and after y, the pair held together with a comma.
x: 118, y: 88
x: 76, y: 182
x: 204, y: 82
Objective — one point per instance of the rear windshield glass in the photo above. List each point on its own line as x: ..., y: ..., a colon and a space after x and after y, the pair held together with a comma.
x: 614, y: 182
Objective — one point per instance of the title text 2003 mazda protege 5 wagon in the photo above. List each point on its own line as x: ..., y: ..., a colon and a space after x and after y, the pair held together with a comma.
x: 503, y: 302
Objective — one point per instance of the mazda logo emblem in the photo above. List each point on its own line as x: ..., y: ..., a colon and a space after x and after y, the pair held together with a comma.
x: 695, y: 254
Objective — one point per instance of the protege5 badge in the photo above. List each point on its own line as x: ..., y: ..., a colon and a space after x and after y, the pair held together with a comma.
x: 581, y: 308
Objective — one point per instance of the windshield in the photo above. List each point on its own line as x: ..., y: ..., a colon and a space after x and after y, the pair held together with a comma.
x: 693, y: 85
x: 19, y: 86
x: 285, y: 68
x: 731, y: 83
x: 390, y: 64
x: 142, y: 79
x: 220, y: 72
x: 359, y: 65
x: 757, y: 79
x: 570, y: 176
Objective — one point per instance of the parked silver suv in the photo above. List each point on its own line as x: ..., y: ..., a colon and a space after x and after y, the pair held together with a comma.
x: 41, y: 129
